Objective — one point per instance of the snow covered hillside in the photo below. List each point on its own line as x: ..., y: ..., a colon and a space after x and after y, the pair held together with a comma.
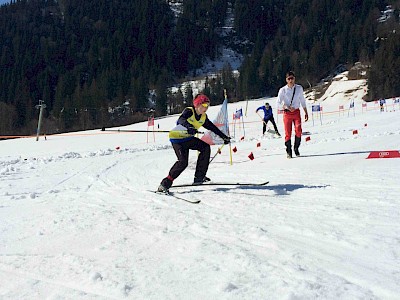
x: 78, y: 219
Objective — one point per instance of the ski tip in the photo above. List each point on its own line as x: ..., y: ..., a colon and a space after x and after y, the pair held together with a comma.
x: 160, y: 193
x: 173, y: 195
x: 194, y: 202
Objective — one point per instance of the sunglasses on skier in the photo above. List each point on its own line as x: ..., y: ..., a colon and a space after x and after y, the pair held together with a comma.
x: 205, y: 105
x: 290, y: 78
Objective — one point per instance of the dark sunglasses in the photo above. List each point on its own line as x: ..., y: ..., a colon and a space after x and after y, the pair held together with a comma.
x: 290, y: 78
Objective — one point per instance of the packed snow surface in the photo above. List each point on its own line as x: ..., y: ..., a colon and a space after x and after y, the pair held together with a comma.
x: 79, y: 220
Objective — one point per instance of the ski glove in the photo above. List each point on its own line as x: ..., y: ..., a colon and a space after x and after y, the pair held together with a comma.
x: 192, y: 130
x: 226, y: 139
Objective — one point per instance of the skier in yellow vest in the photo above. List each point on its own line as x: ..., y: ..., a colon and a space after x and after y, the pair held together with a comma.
x: 183, y: 139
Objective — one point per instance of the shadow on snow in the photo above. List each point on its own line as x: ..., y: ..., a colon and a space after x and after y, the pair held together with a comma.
x: 280, y: 189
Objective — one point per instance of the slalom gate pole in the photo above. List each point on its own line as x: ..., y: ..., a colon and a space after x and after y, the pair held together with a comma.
x: 244, y: 131
x: 230, y: 152
x: 215, y: 155
x: 230, y: 145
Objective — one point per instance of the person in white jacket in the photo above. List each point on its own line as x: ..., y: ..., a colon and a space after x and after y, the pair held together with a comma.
x: 290, y: 98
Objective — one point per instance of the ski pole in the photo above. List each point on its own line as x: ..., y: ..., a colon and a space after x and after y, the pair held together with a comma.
x: 126, y: 130
x: 262, y: 119
x: 215, y: 155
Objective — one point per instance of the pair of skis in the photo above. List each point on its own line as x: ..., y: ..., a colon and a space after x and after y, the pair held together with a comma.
x: 174, y: 195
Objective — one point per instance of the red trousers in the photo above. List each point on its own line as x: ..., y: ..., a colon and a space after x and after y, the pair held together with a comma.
x: 289, y: 118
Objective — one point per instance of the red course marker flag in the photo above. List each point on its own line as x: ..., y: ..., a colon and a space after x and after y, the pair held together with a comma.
x: 251, y: 156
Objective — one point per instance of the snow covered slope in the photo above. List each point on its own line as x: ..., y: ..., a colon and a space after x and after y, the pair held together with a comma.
x: 78, y: 220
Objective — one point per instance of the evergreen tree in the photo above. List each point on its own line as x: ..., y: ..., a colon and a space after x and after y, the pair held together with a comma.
x: 7, y: 118
x: 23, y: 104
x: 162, y: 94
x: 188, y: 94
x: 384, y: 76
x: 229, y: 81
x: 216, y: 94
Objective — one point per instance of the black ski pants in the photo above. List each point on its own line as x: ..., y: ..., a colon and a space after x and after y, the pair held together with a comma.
x: 182, y: 153
x: 273, y: 123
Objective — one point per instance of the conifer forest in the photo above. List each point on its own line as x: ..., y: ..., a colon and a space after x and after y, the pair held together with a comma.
x: 112, y: 62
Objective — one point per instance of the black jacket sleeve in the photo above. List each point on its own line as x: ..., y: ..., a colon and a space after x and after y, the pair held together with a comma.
x: 210, y: 126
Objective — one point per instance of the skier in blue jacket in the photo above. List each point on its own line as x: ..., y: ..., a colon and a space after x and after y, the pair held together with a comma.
x: 268, y: 116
